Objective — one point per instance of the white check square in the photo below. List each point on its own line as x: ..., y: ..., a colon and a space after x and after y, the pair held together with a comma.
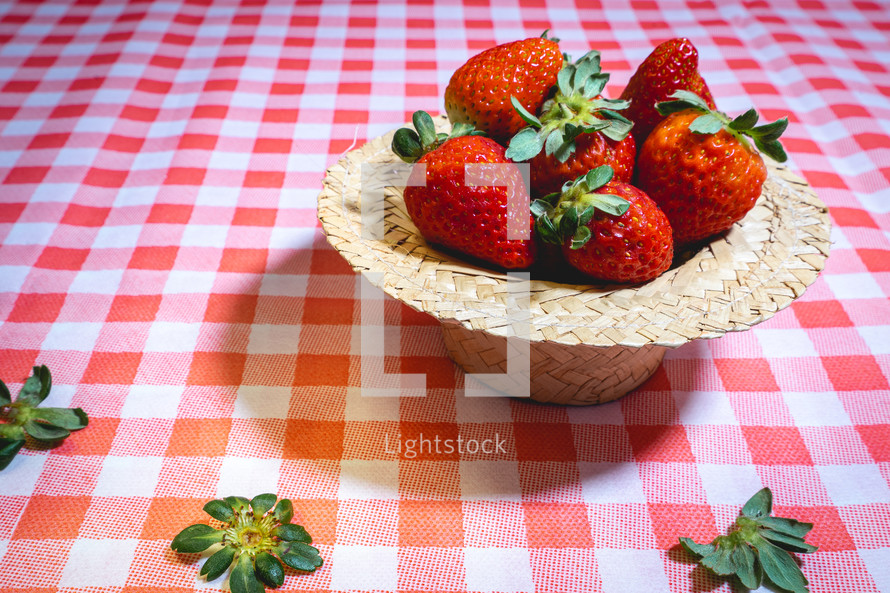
x: 248, y: 476
x: 364, y: 568
x: 854, y: 484
x: 168, y: 336
x: 359, y: 408
x: 111, y: 237
x: 854, y: 286
x: 30, y: 233
x: 785, y: 343
x: 78, y: 337
x: 368, y: 479
x: 98, y: 563
x: 603, y: 483
x: 274, y: 339
x: 152, y: 401
x: 259, y: 401
x: 632, y: 571
x: 705, y: 408
x: 816, y: 409
x: 128, y: 476
x: 97, y: 281
x: 490, y: 480
x: 21, y: 475
x: 498, y: 569
x: 728, y: 484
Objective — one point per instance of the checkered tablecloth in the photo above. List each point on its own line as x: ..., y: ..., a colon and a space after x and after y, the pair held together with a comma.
x: 160, y: 253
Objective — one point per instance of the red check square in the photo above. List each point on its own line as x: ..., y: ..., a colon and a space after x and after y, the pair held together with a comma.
x: 437, y: 523
x: 776, y: 445
x: 52, y: 517
x: 557, y: 525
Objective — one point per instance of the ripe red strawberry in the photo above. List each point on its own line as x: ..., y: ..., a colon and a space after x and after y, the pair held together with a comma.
x: 467, y: 217
x: 577, y: 130
x: 608, y: 229
x: 672, y: 66
x: 479, y: 91
x: 700, y: 168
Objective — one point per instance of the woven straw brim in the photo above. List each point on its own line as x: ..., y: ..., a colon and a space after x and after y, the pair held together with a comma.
x: 737, y: 280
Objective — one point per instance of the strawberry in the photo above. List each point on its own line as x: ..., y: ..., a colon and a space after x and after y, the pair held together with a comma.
x: 608, y: 229
x: 479, y: 91
x: 468, y: 217
x: 700, y: 168
x: 671, y: 66
x: 577, y: 130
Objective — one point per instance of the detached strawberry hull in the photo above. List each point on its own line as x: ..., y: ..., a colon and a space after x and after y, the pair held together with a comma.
x: 580, y: 335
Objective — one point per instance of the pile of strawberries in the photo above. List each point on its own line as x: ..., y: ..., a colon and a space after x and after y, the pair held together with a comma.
x: 616, y: 185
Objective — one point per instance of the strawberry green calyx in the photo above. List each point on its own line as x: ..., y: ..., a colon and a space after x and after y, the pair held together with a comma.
x: 576, y: 108
x: 410, y: 145
x: 256, y: 536
x: 563, y: 216
x: 765, y: 137
x: 23, y: 418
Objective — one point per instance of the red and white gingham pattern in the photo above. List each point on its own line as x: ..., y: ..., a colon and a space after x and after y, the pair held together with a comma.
x: 159, y: 252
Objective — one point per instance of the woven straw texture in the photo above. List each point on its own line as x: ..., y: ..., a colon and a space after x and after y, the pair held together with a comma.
x: 741, y: 278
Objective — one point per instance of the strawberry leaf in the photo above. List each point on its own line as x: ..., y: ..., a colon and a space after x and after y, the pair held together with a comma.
x: 618, y: 129
x: 284, y: 511
x: 720, y: 561
x: 9, y: 447
x: 598, y: 177
x: 586, y: 215
x: 547, y: 230
x: 45, y: 432
x: 525, y: 145
x: 696, y: 549
x: 788, y: 542
x: 745, y: 121
x: 594, y: 85
x: 707, y: 123
x: 770, y: 132
x: 32, y: 393
x: 691, y: 98
x: 243, y: 578
x: 299, y: 555
x: 5, y: 396
x: 773, y: 150
x: 425, y: 127
x: 290, y: 532
x: 609, y: 203
x: 406, y: 145
x: 564, y: 80
x: 524, y: 113
x: 219, y: 510
x: 790, y: 527
x: 746, y: 567
x: 463, y: 129
x: 72, y: 419
x: 554, y: 141
x: 568, y: 224
x: 759, y: 505
x: 262, y: 503
x: 238, y: 503
x: 779, y: 567
x: 540, y: 208
x: 580, y: 238
x: 269, y: 569
x: 218, y: 563
x: 196, y: 538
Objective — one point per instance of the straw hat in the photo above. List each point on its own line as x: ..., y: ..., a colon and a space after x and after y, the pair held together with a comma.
x: 588, y: 343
